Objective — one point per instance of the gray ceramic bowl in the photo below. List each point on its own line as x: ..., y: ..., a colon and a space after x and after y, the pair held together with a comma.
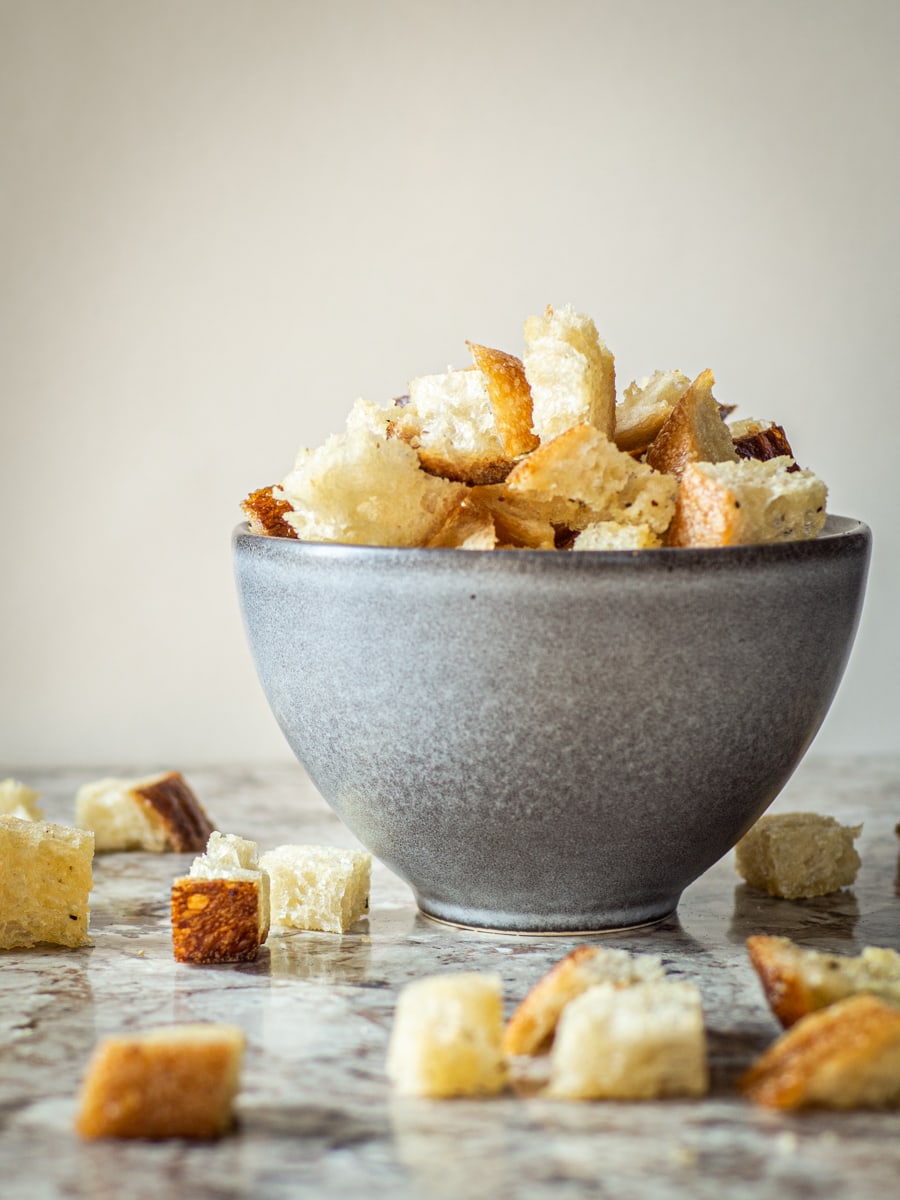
x: 551, y: 741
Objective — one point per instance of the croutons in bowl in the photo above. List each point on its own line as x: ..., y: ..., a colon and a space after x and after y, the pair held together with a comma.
x: 551, y: 741
x: 550, y: 647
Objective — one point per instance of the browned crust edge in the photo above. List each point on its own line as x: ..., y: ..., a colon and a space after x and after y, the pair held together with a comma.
x: 170, y: 801
x: 215, y: 920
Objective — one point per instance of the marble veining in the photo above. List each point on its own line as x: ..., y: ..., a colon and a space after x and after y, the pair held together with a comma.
x: 316, y: 1115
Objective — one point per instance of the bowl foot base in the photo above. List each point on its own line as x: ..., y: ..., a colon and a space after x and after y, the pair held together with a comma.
x: 534, y: 925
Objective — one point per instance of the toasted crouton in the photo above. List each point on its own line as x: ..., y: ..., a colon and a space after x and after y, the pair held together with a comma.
x: 215, y: 920
x: 631, y: 1043
x: 597, y: 480
x: 220, y: 910
x: 510, y: 398
x: 645, y: 407
x: 798, y: 855
x: 797, y: 981
x: 469, y: 526
x: 364, y: 487
x: 177, y: 1081
x: 571, y: 372
x: 729, y: 503
x: 844, y: 1056
x: 445, y: 1039
x: 265, y: 515
x: 613, y: 535
x: 521, y: 520
x: 759, y: 439
x: 158, y: 813
x: 693, y: 432
x: 531, y: 1027
x: 449, y: 420
x: 325, y: 888
x: 18, y: 800
x: 45, y: 883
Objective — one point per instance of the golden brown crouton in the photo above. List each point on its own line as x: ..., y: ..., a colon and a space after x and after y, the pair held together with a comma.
x: 843, y: 1056
x: 265, y: 514
x: 510, y: 398
x: 693, y: 432
x: 798, y: 981
x: 531, y: 1027
x: 732, y: 503
x: 177, y: 1081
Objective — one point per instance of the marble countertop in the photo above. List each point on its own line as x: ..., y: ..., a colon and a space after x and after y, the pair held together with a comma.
x: 316, y: 1115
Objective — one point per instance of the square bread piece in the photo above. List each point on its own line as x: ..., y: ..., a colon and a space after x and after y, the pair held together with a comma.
x: 318, y: 887
x: 220, y: 910
x: 798, y: 855
x: 797, y: 981
x: 177, y: 1081
x: 510, y: 397
x: 631, y: 1043
x: 747, y: 501
x: 843, y: 1056
x: 644, y: 408
x: 45, y: 883
x: 694, y: 431
x: 446, y: 1036
x: 531, y: 1027
x: 158, y: 813
x: 583, y: 468
x: 450, y: 422
x: 571, y: 373
x: 17, y: 800
x: 366, y: 487
x: 612, y: 535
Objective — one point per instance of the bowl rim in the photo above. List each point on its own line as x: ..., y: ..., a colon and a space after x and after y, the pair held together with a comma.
x: 840, y: 535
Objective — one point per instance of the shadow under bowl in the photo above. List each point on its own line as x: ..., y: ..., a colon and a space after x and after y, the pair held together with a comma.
x: 551, y: 741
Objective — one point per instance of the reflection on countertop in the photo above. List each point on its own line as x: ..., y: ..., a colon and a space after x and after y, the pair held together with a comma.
x: 316, y: 1116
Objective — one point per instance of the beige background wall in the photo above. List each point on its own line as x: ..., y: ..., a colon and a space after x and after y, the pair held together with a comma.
x: 222, y: 221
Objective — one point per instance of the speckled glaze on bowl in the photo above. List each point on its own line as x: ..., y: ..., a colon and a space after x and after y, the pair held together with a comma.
x: 551, y: 741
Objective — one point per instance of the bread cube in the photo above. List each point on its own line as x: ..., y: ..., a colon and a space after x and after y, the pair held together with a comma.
x: 17, y: 800
x: 571, y: 373
x: 644, y: 408
x: 843, y: 1056
x: 798, y: 855
x: 450, y: 422
x: 45, y: 883
x: 220, y: 910
x: 797, y: 981
x: 747, y: 501
x: 759, y: 439
x: 365, y: 487
x: 520, y: 519
x: 318, y: 887
x: 158, y: 813
x: 446, y: 1036
x: 613, y: 535
x: 510, y: 396
x: 531, y: 1027
x: 631, y: 1043
x: 265, y: 515
x: 694, y: 431
x: 598, y: 481
x: 470, y: 526
x: 177, y: 1081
